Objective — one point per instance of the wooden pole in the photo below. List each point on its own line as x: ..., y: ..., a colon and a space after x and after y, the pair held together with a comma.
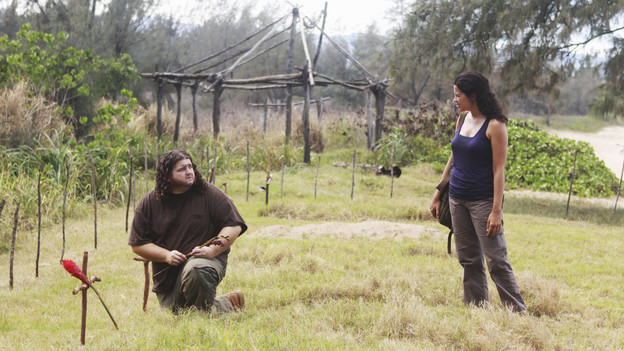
x: 369, y: 116
x: 248, y: 173
x: 571, y: 183
x: 290, y: 57
x: 65, y: 204
x: 13, y: 236
x: 318, y: 46
x: 176, y: 133
x: 83, y: 319
x: 380, y: 101
x: 216, y: 111
x: 619, y: 189
x: 318, y: 164
x: 159, y: 107
x: 392, y: 170
x: 2, y: 203
x: 306, y: 120
x: 129, y: 192
x: 38, y: 224
x: 353, y: 176
x: 94, y: 194
x: 194, y: 93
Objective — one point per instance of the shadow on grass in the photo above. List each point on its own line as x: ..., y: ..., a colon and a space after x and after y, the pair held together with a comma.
x: 579, y: 211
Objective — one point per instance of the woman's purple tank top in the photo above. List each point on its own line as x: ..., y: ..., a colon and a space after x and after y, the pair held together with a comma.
x: 472, y: 177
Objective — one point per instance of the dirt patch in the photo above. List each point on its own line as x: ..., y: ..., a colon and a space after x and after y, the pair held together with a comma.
x: 342, y: 230
x: 608, y: 145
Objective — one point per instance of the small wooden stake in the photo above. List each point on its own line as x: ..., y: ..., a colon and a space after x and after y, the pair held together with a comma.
x: 208, y: 163
x: 268, y: 179
x: 15, y: 223
x: 353, y: 176
x: 248, y: 173
x: 129, y: 193
x: 83, y: 320
x: 213, y: 175
x: 318, y: 164
x: 64, y: 204
x: 38, y: 225
x: 147, y: 281
x: 2, y: 205
x: 392, y: 170
x: 94, y: 194
x: 571, y: 183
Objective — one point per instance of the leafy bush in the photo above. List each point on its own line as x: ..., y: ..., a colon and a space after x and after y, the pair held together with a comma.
x: 540, y: 161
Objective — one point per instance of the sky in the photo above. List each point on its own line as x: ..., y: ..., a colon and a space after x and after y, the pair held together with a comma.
x: 343, y: 16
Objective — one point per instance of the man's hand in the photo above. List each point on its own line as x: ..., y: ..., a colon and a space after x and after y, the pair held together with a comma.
x: 175, y: 258
x: 204, y: 252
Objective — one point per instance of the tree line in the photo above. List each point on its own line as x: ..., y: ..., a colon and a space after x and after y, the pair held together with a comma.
x: 531, y: 49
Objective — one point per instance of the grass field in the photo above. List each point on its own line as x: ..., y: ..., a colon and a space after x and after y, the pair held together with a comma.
x: 330, y: 293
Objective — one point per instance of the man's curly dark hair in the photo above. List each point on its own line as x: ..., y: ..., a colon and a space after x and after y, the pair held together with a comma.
x: 476, y: 84
x: 164, y: 168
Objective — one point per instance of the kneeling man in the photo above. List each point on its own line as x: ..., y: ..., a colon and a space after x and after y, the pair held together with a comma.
x: 170, y: 225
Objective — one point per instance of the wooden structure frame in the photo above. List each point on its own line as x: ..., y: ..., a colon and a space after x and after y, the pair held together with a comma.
x: 305, y: 77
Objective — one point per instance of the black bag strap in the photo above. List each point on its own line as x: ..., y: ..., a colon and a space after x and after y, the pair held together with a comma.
x: 448, y: 245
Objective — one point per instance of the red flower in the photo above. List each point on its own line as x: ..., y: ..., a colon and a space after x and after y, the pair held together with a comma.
x: 73, y: 269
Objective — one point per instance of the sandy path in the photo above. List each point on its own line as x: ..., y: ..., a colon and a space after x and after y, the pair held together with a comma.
x: 367, y: 229
x: 608, y: 145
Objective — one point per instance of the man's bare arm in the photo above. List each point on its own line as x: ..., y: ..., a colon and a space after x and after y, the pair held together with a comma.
x: 155, y: 253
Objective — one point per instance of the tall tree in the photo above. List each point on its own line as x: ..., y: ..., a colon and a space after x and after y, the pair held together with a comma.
x: 526, y: 44
x: 123, y: 21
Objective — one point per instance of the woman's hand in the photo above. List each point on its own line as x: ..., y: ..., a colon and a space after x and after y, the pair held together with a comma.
x: 434, y: 206
x: 494, y: 224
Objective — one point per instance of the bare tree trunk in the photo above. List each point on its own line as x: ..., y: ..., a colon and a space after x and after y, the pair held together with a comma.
x: 418, y: 93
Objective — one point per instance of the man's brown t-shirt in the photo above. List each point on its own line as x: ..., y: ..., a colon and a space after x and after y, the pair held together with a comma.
x: 182, y: 222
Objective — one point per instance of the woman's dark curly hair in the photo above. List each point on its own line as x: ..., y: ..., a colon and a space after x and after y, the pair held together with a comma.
x: 475, y: 84
x: 164, y: 168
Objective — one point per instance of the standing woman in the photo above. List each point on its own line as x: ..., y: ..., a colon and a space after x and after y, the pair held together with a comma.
x: 479, y: 151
